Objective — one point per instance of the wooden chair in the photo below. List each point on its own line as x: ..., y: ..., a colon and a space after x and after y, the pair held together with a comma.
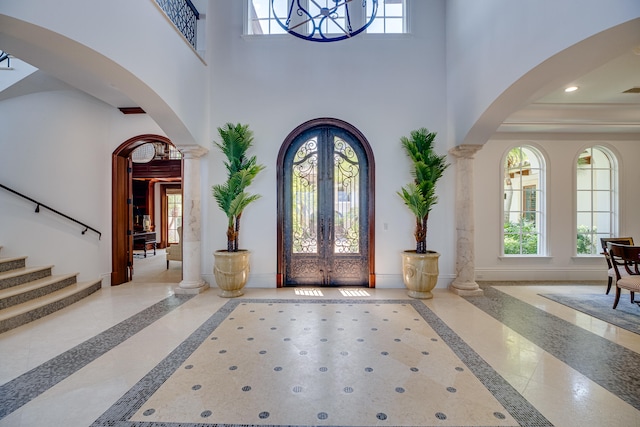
x: 630, y: 256
x: 605, y: 251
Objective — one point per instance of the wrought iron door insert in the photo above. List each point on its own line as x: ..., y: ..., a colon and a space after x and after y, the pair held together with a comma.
x: 326, y: 215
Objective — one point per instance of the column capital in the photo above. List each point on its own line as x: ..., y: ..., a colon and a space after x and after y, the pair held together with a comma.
x: 465, y: 151
x: 192, y: 151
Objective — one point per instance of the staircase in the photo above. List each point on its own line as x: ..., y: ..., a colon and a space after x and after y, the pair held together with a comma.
x: 29, y: 293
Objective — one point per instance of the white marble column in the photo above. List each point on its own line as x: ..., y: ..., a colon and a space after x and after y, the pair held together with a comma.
x: 192, y: 282
x: 465, y: 282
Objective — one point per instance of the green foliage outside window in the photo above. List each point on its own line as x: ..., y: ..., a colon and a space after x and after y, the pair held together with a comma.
x: 303, y: 213
x: 586, y: 241
x: 520, y: 238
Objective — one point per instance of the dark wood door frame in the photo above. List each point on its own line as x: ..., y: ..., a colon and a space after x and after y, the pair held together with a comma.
x: 122, y: 207
x: 280, y: 271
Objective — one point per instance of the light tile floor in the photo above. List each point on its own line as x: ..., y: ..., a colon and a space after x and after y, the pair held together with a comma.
x: 71, y: 368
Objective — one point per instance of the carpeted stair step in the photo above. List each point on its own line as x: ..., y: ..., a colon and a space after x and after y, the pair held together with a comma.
x: 7, y: 264
x: 36, y: 288
x: 22, y: 275
x: 26, y: 312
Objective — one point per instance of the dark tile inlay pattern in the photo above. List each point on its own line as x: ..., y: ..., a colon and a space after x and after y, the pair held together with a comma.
x: 30, y: 385
x: 12, y: 265
x: 31, y: 274
x: 120, y: 413
x: 38, y: 292
x: 584, y: 351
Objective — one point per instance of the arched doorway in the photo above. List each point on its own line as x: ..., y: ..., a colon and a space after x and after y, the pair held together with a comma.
x: 124, y: 220
x: 326, y: 206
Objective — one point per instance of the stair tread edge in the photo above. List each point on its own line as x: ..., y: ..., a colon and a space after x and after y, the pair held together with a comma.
x: 34, y: 284
x: 42, y: 301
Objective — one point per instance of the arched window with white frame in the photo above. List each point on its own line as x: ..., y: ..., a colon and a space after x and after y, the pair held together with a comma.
x: 524, y: 202
x: 596, y: 199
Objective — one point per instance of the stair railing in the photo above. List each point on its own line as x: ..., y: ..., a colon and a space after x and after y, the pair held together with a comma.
x: 39, y: 205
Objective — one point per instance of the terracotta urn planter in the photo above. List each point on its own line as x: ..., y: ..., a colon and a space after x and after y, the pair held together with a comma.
x: 420, y: 273
x: 231, y: 270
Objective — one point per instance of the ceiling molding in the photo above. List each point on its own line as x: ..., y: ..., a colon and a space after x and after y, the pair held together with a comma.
x: 565, y: 136
x: 574, y: 118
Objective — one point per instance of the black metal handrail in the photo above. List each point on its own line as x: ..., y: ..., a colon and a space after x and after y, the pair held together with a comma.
x: 38, y: 205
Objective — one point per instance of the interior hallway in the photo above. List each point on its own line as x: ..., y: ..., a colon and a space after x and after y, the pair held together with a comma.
x: 447, y: 361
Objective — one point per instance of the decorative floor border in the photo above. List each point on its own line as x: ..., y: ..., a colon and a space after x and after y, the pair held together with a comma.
x: 120, y: 412
x: 21, y: 390
x: 612, y: 366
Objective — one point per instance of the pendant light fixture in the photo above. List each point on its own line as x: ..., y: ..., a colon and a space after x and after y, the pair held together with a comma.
x: 324, y: 20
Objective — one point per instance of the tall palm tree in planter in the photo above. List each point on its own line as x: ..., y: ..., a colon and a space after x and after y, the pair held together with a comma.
x: 231, y: 266
x: 420, y: 266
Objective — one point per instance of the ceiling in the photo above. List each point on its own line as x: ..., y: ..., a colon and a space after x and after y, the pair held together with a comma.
x: 601, y: 104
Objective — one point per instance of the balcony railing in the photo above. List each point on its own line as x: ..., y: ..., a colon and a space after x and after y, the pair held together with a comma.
x: 184, y: 15
x: 5, y: 59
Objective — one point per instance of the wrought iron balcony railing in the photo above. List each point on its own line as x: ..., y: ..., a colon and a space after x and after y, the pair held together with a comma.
x: 4, y: 56
x: 184, y: 15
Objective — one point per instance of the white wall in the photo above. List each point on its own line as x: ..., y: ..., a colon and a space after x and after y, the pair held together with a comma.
x: 493, y: 44
x: 114, y: 51
x: 18, y: 71
x: 57, y: 150
x: 385, y: 87
x: 561, y: 262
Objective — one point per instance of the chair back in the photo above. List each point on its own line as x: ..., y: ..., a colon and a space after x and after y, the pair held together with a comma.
x: 604, y: 241
x: 629, y: 256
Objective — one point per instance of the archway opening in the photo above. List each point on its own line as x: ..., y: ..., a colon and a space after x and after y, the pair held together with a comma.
x: 146, y: 170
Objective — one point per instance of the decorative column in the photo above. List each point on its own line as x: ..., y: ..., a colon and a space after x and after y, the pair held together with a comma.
x: 465, y: 281
x: 192, y: 282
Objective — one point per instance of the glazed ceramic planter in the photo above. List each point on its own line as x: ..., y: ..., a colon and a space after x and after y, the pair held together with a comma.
x: 231, y: 270
x: 420, y: 273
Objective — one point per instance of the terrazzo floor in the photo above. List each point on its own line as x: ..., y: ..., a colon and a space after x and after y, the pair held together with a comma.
x: 136, y: 355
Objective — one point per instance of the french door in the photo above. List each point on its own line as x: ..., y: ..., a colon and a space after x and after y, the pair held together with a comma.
x: 325, y: 200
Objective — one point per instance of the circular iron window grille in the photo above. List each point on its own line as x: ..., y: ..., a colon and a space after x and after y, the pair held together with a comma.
x: 324, y: 20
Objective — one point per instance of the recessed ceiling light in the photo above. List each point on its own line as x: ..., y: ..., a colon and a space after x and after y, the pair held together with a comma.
x: 571, y: 89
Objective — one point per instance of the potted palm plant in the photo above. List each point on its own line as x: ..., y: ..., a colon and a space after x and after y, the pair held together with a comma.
x: 231, y: 265
x: 420, y: 266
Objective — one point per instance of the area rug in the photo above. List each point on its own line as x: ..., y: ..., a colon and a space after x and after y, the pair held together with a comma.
x: 626, y: 315
x: 323, y: 362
